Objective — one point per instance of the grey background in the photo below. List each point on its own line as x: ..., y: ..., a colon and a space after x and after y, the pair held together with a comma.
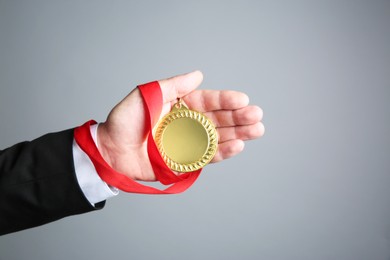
x: 316, y: 186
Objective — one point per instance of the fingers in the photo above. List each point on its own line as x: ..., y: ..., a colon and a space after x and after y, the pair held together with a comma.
x: 211, y: 100
x: 243, y: 116
x: 246, y: 132
x: 231, y: 139
x: 228, y: 149
x: 179, y: 86
x: 183, y: 86
x: 229, y: 110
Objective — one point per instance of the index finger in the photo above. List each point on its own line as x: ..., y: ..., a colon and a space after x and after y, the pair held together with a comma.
x: 211, y: 100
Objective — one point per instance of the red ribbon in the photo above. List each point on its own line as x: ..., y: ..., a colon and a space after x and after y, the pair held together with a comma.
x: 151, y: 93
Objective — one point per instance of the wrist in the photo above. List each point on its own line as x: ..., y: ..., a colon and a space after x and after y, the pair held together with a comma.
x: 103, y: 144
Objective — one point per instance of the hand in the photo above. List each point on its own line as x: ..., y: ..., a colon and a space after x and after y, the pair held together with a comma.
x: 122, y: 138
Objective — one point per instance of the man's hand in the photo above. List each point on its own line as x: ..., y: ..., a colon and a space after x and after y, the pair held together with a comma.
x: 122, y: 138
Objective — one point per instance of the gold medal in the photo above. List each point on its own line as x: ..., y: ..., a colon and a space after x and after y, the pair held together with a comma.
x: 187, y: 139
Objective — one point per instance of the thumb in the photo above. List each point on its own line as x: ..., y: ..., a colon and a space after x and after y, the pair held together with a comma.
x: 179, y: 86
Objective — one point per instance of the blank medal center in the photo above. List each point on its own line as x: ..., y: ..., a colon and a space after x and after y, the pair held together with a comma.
x: 185, y: 140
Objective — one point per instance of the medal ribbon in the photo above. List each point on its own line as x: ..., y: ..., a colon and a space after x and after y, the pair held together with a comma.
x: 152, y: 96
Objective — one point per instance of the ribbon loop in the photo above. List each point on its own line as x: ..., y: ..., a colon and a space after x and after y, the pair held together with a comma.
x: 152, y: 96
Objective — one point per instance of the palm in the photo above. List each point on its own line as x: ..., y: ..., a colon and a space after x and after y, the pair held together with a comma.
x: 123, y: 137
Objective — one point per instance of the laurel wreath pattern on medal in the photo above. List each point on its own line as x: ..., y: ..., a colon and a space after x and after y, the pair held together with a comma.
x: 208, y: 126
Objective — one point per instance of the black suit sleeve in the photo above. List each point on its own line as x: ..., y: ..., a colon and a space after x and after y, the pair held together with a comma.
x: 38, y: 183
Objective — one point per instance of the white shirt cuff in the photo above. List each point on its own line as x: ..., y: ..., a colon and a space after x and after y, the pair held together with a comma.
x: 93, y: 187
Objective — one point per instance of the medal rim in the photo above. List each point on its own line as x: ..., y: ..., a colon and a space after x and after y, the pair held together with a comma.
x: 184, y: 112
